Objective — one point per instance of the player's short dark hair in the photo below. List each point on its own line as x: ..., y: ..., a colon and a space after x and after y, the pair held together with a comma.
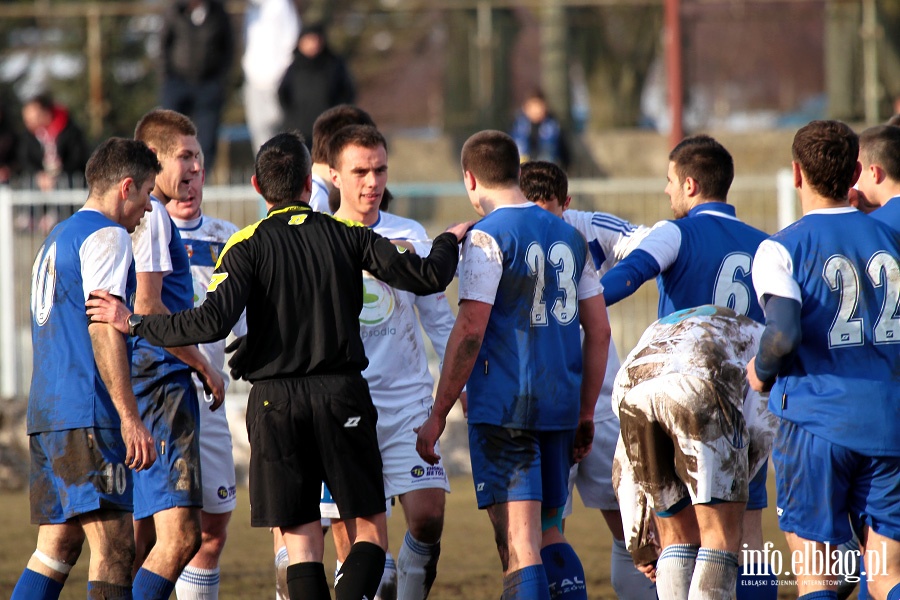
x: 881, y: 145
x: 282, y: 168
x: 826, y: 152
x: 365, y: 136
x: 116, y: 159
x: 493, y: 158
x: 160, y: 129
x: 707, y: 162
x: 330, y: 122
x: 543, y: 181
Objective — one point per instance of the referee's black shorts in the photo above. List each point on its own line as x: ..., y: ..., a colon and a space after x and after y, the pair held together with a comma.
x: 307, y: 430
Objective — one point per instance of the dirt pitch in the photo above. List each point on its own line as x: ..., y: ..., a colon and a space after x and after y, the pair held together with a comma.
x: 469, y: 567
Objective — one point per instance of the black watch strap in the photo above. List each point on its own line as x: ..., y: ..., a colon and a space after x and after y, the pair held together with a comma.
x: 134, y: 321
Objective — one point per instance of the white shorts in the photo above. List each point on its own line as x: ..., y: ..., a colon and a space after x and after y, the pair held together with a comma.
x: 404, y: 470
x: 593, y: 475
x: 216, y: 460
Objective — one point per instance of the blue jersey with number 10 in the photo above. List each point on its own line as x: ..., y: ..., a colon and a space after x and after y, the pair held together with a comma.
x: 842, y: 383
x: 528, y: 371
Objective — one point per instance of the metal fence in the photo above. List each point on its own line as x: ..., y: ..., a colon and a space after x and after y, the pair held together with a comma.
x: 766, y: 202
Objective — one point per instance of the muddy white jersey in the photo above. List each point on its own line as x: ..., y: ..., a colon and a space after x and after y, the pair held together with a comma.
x: 398, y: 364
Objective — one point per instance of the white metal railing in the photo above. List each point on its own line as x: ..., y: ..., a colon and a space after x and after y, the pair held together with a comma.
x: 242, y: 205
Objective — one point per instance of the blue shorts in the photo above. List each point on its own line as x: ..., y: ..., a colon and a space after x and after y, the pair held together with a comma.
x: 171, y: 412
x: 77, y: 471
x: 820, y: 483
x: 759, y: 496
x: 510, y: 465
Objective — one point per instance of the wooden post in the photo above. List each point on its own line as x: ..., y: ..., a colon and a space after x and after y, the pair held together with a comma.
x: 674, y: 73
x: 96, y: 109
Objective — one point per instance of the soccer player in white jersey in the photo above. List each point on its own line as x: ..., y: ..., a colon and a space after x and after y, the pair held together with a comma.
x: 398, y: 376
x: 204, y: 237
x: 526, y: 286
x: 830, y: 285
x: 879, y: 181
x: 692, y: 438
x: 546, y: 185
x: 85, y: 431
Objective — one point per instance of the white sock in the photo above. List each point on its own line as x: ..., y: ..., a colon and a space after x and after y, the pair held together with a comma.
x: 627, y: 581
x: 197, y: 584
x: 281, y: 565
x: 416, y: 568
x: 387, y: 589
x: 674, y: 571
x: 337, y: 568
x: 715, y: 575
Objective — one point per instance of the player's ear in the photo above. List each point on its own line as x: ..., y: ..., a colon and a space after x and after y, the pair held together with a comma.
x: 255, y: 184
x: 125, y: 188
x: 469, y: 180
x: 335, y: 177
x: 797, y: 173
x: 691, y: 187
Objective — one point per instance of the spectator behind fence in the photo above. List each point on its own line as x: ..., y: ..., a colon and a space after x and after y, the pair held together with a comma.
x: 54, y: 153
x: 538, y: 133
x: 316, y: 80
x: 9, y: 145
x: 272, y: 27
x: 198, y: 50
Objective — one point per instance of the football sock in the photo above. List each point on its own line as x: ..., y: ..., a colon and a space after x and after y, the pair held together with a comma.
x: 529, y: 583
x: 565, y: 574
x: 197, y: 584
x: 387, y: 589
x: 150, y: 586
x: 32, y: 584
x: 306, y: 581
x: 675, y: 569
x: 820, y: 595
x: 715, y: 575
x: 627, y: 581
x: 361, y: 572
x: 108, y: 591
x: 757, y: 587
x: 281, y: 565
x: 894, y: 594
x: 416, y: 568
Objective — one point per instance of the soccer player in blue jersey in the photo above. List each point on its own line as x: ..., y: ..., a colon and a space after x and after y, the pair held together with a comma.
x: 525, y: 285
x: 168, y: 497
x: 879, y: 180
x: 83, y: 422
x: 703, y: 256
x: 830, y: 285
x: 546, y: 184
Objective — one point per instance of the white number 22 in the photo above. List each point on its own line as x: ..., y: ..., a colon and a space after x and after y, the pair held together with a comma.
x: 841, y: 276
x: 565, y: 307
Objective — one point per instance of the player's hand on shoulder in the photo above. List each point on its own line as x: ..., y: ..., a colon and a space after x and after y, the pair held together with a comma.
x: 427, y: 437
x: 103, y: 307
x: 460, y: 230
x: 140, y: 451
x: 584, y: 439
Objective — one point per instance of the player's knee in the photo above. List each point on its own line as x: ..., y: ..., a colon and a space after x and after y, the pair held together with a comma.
x: 213, y: 543
x: 428, y: 527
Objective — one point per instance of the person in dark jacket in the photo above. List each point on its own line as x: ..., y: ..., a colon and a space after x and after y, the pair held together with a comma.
x: 197, y: 51
x: 316, y: 80
x: 9, y: 146
x: 297, y: 272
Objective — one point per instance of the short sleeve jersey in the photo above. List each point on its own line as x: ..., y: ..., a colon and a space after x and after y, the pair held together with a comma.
x: 533, y: 269
x: 84, y: 253
x: 204, y: 238
x: 318, y: 200
x: 841, y: 384
x: 609, y: 238
x: 158, y: 249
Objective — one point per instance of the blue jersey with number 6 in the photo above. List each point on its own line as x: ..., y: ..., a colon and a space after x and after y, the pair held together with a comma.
x: 530, y: 266
x: 842, y: 383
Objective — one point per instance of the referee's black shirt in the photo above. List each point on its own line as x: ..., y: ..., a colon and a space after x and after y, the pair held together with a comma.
x: 299, y: 274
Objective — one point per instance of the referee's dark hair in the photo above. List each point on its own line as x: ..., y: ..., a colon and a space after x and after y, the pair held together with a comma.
x: 493, y: 158
x: 707, y: 162
x: 117, y: 159
x: 543, y: 181
x: 282, y: 168
x: 329, y: 123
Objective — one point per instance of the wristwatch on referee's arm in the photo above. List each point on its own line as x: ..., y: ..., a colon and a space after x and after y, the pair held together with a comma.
x: 134, y: 321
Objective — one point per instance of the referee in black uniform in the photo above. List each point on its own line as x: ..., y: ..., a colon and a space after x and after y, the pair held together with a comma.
x: 309, y: 417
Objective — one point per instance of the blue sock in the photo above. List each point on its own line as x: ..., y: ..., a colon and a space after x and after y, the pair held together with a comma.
x: 529, y: 583
x: 32, y: 584
x: 820, y: 595
x: 150, y: 586
x: 758, y: 586
x: 565, y: 575
x: 894, y: 594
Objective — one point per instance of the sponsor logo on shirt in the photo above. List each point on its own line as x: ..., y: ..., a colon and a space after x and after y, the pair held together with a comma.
x: 378, y: 302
